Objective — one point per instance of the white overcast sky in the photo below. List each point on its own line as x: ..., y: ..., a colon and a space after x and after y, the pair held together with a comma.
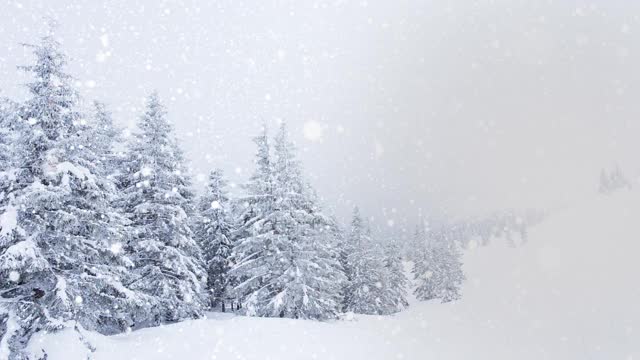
x: 457, y: 107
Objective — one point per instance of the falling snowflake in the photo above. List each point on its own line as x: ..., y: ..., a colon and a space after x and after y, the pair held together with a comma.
x: 104, y: 39
x: 313, y: 131
x: 116, y: 248
x: 379, y: 149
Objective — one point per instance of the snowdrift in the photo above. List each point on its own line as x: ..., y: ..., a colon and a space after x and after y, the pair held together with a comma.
x: 571, y: 292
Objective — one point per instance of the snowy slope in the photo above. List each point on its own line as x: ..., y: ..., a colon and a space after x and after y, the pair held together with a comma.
x: 572, y: 292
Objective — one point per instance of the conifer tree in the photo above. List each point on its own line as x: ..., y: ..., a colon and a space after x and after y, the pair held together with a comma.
x: 395, y: 285
x: 289, y: 263
x: 416, y: 242
x: 251, y: 210
x: 56, y: 223
x: 105, y: 140
x: 157, y: 199
x: 259, y: 199
x: 364, y: 267
x: 8, y: 115
x: 100, y: 137
x: 438, y: 271
x: 427, y: 272
x: 612, y: 181
x: 6, y: 110
x: 453, y: 275
x: 213, y: 232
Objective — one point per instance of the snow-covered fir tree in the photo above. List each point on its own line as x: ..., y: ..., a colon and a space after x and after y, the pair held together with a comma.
x: 454, y: 277
x: 100, y: 138
x: 364, y: 293
x: 8, y: 115
x: 427, y: 273
x: 414, y: 242
x: 322, y: 281
x: 251, y: 210
x: 287, y: 263
x: 611, y: 181
x: 258, y: 202
x: 438, y: 271
x: 55, y: 258
x: 395, y: 284
x: 213, y: 230
x: 106, y: 140
x: 345, y: 250
x: 8, y: 130
x: 157, y: 199
x: 6, y: 110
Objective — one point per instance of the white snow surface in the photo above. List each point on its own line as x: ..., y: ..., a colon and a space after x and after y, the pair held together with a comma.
x: 571, y: 292
x: 8, y: 220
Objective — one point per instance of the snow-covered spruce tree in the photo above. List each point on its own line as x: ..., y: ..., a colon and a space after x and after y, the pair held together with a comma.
x: 250, y: 212
x: 157, y: 200
x: 288, y: 263
x: 13, y: 332
x: 6, y: 112
x: 106, y: 139
x: 427, y: 271
x: 101, y: 138
x: 324, y: 276
x: 213, y: 230
x: 8, y: 115
x: 612, y: 181
x: 438, y: 272
x: 453, y: 276
x: 365, y: 271
x: 345, y: 250
x: 415, y: 243
x: 258, y: 202
x: 390, y: 290
x: 395, y: 284
x: 314, y: 274
x: 56, y: 226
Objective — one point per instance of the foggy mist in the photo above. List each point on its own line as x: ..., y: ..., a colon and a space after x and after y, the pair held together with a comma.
x: 409, y: 107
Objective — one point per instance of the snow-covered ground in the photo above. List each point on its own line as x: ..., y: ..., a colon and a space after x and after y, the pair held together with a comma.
x: 572, y: 292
